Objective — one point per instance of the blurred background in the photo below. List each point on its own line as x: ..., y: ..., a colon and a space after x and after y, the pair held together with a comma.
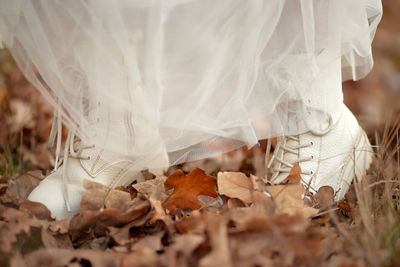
x: 377, y: 97
x: 25, y: 118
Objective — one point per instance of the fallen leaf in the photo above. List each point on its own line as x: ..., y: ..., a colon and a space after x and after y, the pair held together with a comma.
x: 97, y: 196
x: 3, y: 93
x: 258, y: 183
x: 147, y: 175
x: 187, y: 188
x: 235, y: 185
x: 24, y: 184
x: 288, y: 199
x: 345, y: 208
x: 153, y: 188
x: 13, y: 223
x: 160, y: 215
x: 83, y: 224
x: 36, y: 209
x: 194, y: 223
x: 218, y: 234
x: 294, y: 176
x: 60, y: 226
x: 152, y: 242
x: 51, y: 240
x: 325, y: 197
x: 263, y: 204
x: 179, y: 252
x: 142, y: 257
x: 211, y: 203
x: 235, y: 203
x: 67, y: 257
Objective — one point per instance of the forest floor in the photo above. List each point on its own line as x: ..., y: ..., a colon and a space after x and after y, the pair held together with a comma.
x: 213, y: 212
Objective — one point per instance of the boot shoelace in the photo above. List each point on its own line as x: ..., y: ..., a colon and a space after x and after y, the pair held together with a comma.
x: 73, y: 148
x: 280, y: 157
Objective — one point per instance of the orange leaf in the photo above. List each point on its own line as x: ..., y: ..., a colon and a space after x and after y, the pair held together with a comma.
x: 294, y: 175
x: 187, y: 188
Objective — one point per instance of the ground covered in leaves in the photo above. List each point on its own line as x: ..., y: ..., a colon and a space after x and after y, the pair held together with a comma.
x: 182, y: 220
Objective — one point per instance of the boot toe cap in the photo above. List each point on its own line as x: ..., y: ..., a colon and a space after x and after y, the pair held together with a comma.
x: 49, y: 193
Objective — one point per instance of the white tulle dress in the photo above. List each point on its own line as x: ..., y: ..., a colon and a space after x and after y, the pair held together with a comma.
x: 194, y: 78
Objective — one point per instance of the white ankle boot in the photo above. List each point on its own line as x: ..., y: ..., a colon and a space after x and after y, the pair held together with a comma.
x: 85, y: 163
x: 332, y: 156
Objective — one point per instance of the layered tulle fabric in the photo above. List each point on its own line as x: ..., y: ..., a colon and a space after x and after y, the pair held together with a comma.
x: 195, y: 77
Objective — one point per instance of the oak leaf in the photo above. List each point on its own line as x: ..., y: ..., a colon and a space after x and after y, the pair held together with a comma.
x: 187, y: 188
x: 235, y: 185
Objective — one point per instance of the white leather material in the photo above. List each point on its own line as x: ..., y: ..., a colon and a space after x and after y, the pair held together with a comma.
x: 338, y: 156
x: 49, y: 193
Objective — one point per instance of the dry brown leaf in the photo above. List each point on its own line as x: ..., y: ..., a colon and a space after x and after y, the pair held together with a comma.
x: 147, y: 175
x: 36, y: 209
x: 3, y: 93
x: 67, y: 257
x: 13, y: 223
x: 288, y: 199
x: 235, y: 203
x: 39, y: 155
x: 187, y: 188
x: 346, y: 208
x: 211, y: 203
x: 180, y: 251
x: 116, y: 217
x: 235, y: 185
x: 194, y: 223
x: 160, y: 215
x: 325, y: 197
x: 25, y: 183
x: 185, y: 244
x: 152, y: 242
x: 50, y: 240
x: 258, y: 183
x: 60, y: 226
x: 120, y: 236
x: 247, y: 219
x: 263, y: 204
x: 294, y: 176
x: 153, y: 188
x: 83, y: 224
x: 218, y: 235
x: 98, y: 196
x: 142, y: 257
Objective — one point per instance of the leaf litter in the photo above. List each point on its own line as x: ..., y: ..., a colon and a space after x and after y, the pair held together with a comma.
x: 168, y: 221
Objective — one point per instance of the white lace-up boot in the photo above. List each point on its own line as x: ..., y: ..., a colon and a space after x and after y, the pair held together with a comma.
x: 61, y: 191
x: 88, y: 164
x: 330, y: 156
